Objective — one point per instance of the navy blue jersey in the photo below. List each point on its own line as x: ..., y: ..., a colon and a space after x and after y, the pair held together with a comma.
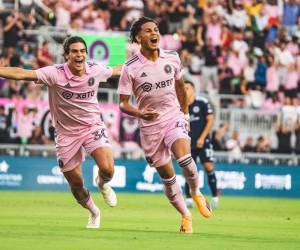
x: 198, y: 111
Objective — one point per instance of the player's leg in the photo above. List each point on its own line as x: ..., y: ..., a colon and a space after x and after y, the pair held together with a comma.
x: 173, y: 192
x: 212, y: 182
x: 159, y: 155
x: 82, y: 195
x: 103, y: 157
x: 207, y: 160
x: 189, y: 200
x: 181, y: 150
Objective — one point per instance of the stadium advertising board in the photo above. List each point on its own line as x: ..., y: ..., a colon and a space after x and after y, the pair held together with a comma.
x: 38, y: 173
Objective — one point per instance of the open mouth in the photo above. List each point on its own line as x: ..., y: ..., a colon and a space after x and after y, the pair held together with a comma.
x: 79, y: 62
x: 154, y: 41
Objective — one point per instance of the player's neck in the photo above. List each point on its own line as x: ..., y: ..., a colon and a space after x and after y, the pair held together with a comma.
x: 191, y: 100
x: 76, y: 72
x: 151, y: 55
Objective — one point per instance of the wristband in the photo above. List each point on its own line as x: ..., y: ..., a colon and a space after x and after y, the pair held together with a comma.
x: 187, y: 117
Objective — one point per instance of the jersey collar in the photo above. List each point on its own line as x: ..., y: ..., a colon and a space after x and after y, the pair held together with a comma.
x: 70, y: 75
x: 143, y: 59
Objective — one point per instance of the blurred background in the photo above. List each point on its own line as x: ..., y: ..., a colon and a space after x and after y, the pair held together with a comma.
x: 243, y: 56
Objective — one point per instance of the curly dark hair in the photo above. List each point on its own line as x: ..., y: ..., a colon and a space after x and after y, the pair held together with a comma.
x: 136, y: 27
x: 70, y: 40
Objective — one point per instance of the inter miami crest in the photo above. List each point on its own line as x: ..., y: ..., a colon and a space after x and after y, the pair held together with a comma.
x: 91, y: 81
x: 168, y: 69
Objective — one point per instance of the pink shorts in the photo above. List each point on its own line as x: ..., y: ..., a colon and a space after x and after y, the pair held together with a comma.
x: 69, y: 149
x: 157, y: 140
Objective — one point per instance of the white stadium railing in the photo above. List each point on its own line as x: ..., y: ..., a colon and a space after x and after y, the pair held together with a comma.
x: 222, y: 157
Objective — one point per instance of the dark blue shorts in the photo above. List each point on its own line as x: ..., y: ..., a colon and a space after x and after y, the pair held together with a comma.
x: 205, y: 154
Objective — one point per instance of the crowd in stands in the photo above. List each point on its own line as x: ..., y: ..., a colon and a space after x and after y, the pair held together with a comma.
x: 248, y: 49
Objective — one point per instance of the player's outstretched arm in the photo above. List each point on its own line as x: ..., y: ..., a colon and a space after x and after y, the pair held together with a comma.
x: 181, y: 95
x: 17, y: 73
x: 129, y: 109
x: 117, y: 70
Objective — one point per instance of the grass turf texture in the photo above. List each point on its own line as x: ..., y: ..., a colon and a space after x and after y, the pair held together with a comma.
x: 53, y: 221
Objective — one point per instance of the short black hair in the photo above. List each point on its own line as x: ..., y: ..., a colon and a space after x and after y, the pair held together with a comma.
x: 190, y: 83
x: 136, y: 27
x: 70, y: 40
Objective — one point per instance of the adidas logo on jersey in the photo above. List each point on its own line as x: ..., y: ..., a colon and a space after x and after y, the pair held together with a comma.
x: 68, y: 86
x: 143, y: 74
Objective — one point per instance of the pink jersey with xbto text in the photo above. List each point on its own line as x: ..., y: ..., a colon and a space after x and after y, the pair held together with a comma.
x: 73, y: 99
x: 153, y: 84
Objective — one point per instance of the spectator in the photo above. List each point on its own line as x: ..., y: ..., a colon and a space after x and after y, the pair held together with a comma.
x: 297, y: 135
x: 44, y: 58
x: 284, y: 57
x: 213, y: 30
x: 238, y: 18
x: 27, y: 58
x: 11, y: 27
x: 272, y: 103
x: 226, y: 37
x: 176, y: 12
x: 225, y: 78
x: 291, y: 13
x: 291, y: 85
x: 220, y: 137
x: 248, y: 82
x: 272, y: 12
x: 63, y: 13
x: 37, y: 137
x: 24, y: 124
x: 248, y: 146
x: 210, y: 70
x: 284, y: 133
x: 293, y: 46
x: 262, y: 145
x: 260, y: 73
x: 4, y: 134
x: 233, y: 147
x: 272, y: 78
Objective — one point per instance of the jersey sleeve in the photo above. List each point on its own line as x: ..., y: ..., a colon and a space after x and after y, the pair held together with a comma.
x: 47, y: 75
x: 208, y: 109
x: 125, y: 82
x: 178, y: 68
x: 104, y: 72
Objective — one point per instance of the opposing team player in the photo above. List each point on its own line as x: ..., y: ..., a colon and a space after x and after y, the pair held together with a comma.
x: 75, y: 113
x: 154, y: 77
x: 201, y: 123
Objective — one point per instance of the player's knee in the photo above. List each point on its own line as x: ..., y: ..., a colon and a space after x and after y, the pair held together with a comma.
x: 209, y: 167
x: 185, y: 160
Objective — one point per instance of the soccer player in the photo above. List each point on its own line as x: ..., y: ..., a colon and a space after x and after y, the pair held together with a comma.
x: 154, y: 77
x: 201, y: 123
x: 72, y: 88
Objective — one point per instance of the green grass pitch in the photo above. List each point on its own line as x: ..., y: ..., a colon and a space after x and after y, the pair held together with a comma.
x: 53, y: 221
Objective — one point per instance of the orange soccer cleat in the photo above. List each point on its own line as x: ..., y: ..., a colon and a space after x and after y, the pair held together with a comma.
x: 186, y: 225
x: 203, y: 205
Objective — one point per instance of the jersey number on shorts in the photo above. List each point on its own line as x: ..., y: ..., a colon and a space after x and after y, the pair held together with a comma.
x: 98, y: 134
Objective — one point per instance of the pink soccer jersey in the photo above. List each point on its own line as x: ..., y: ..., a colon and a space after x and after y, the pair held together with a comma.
x: 153, y: 84
x: 73, y: 99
